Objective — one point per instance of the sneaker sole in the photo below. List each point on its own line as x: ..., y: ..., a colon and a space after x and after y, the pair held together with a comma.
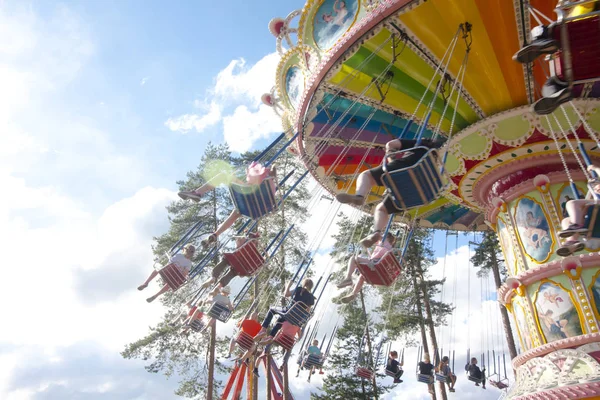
x: 532, y: 53
x: 345, y: 198
x: 186, y: 196
x: 547, y: 105
x: 568, y: 234
x: 565, y: 251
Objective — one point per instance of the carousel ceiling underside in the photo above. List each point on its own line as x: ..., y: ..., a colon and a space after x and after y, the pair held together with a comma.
x: 367, y: 97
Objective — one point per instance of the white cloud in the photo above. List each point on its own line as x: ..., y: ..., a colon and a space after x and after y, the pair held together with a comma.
x: 144, y: 80
x: 234, y: 100
x: 244, y: 127
x: 187, y: 122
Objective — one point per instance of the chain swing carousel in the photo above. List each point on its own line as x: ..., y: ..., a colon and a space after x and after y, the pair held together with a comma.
x: 355, y: 74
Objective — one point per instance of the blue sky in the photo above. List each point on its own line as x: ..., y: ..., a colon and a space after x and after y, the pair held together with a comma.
x: 104, y: 105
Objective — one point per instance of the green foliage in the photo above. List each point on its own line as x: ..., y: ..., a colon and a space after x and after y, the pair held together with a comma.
x: 488, y: 256
x: 165, y: 349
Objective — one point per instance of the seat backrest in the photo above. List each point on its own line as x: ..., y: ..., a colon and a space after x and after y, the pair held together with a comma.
x: 297, y: 314
x: 285, y: 341
x: 417, y: 185
x: 246, y: 259
x: 424, y: 378
x: 219, y: 312
x: 172, y: 276
x: 254, y: 201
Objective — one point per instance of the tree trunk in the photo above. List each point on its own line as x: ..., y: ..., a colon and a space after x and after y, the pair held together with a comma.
x: 286, y: 383
x: 505, y: 321
x: 369, y: 348
x: 211, y: 361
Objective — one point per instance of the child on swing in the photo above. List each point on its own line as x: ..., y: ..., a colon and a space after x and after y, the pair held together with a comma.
x: 475, y: 372
x: 444, y: 369
x: 394, y: 366
x: 577, y: 209
x: 255, y: 174
x: 378, y: 253
x: 427, y: 368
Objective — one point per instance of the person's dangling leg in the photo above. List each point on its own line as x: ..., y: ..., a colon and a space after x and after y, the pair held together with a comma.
x: 212, y: 238
x: 381, y: 217
x: 216, y: 273
x: 347, y: 281
x: 145, y: 284
x: 364, y: 184
x: 541, y: 43
x: 196, y: 194
x: 161, y: 291
x: 359, y: 285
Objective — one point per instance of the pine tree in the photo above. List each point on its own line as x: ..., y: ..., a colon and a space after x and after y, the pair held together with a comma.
x: 165, y: 348
x: 488, y: 258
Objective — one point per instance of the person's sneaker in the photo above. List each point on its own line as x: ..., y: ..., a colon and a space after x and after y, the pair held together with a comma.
x: 322, y: 373
x: 348, y: 299
x: 452, y: 390
x: 346, y: 198
x: 554, y: 95
x: 370, y: 240
x: 571, y: 230
x: 189, y: 196
x: 476, y: 383
x: 345, y: 283
x: 535, y: 49
x: 570, y: 247
x: 255, y: 370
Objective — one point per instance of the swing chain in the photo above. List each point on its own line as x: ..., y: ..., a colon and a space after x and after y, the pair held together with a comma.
x: 467, y: 34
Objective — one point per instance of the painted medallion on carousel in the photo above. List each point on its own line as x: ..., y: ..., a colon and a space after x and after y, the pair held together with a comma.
x: 332, y: 19
x: 558, y: 317
x: 534, y: 233
x: 294, y: 85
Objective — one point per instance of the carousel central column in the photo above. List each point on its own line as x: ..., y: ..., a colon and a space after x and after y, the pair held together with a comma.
x: 554, y: 299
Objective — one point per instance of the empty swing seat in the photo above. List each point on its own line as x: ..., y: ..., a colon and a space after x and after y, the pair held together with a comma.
x: 382, y: 273
x: 254, y: 201
x: 425, y: 378
x: 417, y: 185
x: 285, y: 341
x: 498, y: 384
x: 219, y: 312
x: 197, y: 325
x: 172, y: 276
x: 246, y: 259
x: 364, y: 373
x: 244, y: 340
x: 313, y: 360
x: 583, y: 49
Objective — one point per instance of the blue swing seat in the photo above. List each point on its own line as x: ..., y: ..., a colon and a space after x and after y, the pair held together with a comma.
x: 475, y: 379
x: 423, y: 378
x: 442, y: 378
x: 298, y: 314
x: 592, y: 222
x: 219, y: 312
x: 254, y: 201
x: 416, y: 185
x: 314, y: 360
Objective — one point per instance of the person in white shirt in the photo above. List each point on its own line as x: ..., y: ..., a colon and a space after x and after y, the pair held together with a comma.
x: 183, y: 263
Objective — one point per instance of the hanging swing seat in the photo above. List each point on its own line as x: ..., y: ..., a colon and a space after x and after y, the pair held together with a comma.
x: 284, y: 340
x: 197, y: 325
x: 474, y: 379
x: 246, y: 259
x: 423, y: 378
x: 298, y: 314
x: 384, y: 272
x: 254, y: 201
x: 390, y: 373
x: 416, y: 185
x: 578, y: 60
x: 172, y: 276
x: 501, y: 384
x: 219, y: 312
x: 314, y: 360
x: 244, y: 340
x: 442, y: 378
x: 364, y: 373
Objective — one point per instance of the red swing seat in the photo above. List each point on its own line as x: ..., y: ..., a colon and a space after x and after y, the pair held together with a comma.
x: 364, y: 373
x: 244, y: 340
x: 172, y: 276
x: 246, y: 259
x: 384, y: 272
x: 498, y: 384
x: 581, y: 50
x: 285, y: 341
